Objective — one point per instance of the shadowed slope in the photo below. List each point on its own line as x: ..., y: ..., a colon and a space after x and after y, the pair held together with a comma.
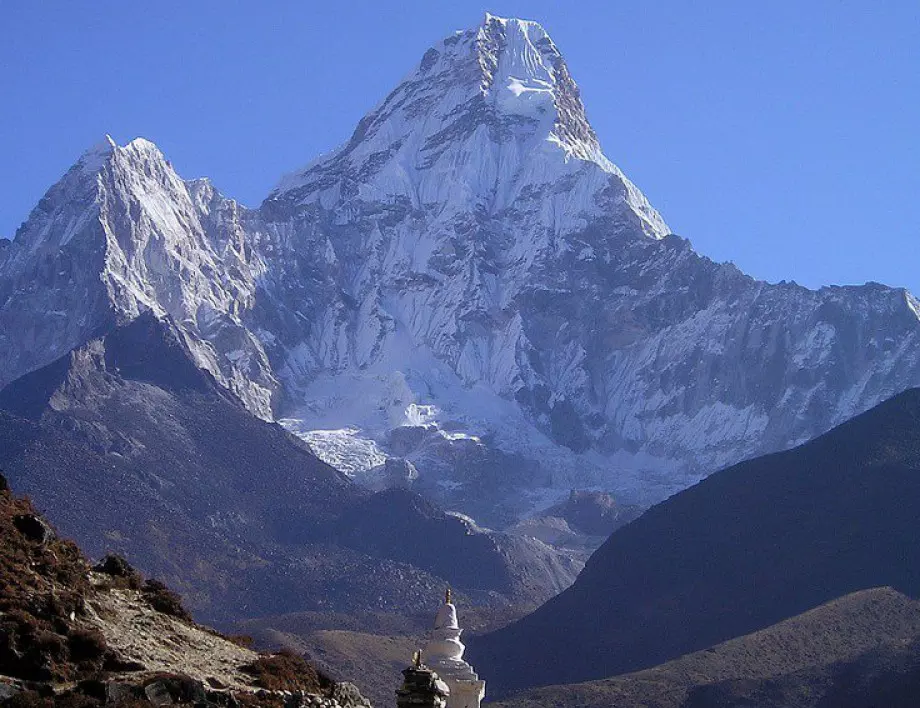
x: 806, y: 651
x: 748, y: 547
x: 131, y: 447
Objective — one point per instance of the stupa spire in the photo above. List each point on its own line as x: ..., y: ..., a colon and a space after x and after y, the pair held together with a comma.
x: 444, y: 654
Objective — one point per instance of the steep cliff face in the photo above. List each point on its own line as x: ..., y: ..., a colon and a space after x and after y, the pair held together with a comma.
x: 133, y: 448
x: 467, y: 283
x: 121, y: 234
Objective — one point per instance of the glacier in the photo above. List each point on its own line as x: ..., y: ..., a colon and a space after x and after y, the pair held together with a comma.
x: 469, y: 285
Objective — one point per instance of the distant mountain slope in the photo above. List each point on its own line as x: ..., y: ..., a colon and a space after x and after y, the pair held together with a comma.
x: 471, y: 265
x: 131, y: 447
x: 811, y: 651
x: 72, y: 635
x: 746, y: 548
x: 887, y: 676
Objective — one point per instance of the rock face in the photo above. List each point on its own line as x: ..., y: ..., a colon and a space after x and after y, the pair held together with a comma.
x: 748, y: 547
x: 134, y: 449
x: 421, y: 689
x: 469, y: 281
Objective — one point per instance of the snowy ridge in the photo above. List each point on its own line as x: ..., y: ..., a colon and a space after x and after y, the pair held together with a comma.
x: 121, y: 234
x: 469, y: 285
x: 489, y: 117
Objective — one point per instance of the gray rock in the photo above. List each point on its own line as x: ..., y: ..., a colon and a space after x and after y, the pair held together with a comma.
x: 8, y: 690
x: 117, y: 693
x: 348, y: 695
x: 158, y: 694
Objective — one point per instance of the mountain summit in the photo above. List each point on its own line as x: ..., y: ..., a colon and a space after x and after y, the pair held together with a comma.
x: 121, y: 234
x: 467, y: 285
x: 488, y: 120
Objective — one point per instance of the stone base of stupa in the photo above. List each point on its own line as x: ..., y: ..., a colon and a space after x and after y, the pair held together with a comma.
x: 465, y: 693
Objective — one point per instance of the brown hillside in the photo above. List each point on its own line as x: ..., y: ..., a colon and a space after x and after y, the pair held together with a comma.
x: 81, y: 636
x: 800, y: 660
x: 745, y: 549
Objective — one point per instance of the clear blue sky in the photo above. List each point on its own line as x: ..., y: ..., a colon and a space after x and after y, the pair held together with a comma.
x: 782, y: 136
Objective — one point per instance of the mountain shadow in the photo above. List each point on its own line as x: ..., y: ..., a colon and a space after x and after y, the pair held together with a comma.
x: 132, y: 448
x: 751, y: 545
x: 848, y: 652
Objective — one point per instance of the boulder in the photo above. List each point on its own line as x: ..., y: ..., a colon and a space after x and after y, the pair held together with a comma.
x: 8, y: 690
x: 347, y: 695
x: 33, y: 527
x: 158, y: 693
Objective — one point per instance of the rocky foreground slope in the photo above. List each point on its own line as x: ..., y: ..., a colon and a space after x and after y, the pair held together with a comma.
x: 468, y: 283
x: 76, y: 635
x: 746, y: 548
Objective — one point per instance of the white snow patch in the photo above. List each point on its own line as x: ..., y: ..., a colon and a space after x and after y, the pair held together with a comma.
x: 345, y: 449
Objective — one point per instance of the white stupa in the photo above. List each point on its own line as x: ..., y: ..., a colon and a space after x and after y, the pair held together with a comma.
x: 444, y: 654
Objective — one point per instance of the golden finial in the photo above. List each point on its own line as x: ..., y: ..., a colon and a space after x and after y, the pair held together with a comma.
x: 447, y: 597
x: 417, y: 658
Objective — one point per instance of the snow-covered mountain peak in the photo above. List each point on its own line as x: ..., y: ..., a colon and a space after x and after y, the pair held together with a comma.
x: 489, y: 115
x: 525, y: 74
x: 518, y: 49
x: 467, y: 275
x: 95, y: 157
x: 121, y: 234
x: 99, y: 155
x: 82, y: 179
x: 102, y: 172
x: 142, y: 148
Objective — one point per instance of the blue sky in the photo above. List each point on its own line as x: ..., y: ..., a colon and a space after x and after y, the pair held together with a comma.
x: 782, y: 136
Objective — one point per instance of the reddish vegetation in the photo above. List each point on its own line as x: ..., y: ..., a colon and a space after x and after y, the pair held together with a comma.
x: 43, y: 586
x: 287, y: 671
x: 45, y: 641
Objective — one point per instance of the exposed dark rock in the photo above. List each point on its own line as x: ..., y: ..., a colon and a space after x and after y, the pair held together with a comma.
x: 33, y: 527
x: 158, y: 693
x: 399, y: 473
x: 116, y: 566
x: 8, y: 691
x: 593, y: 513
x: 240, y: 500
x: 421, y: 688
x: 117, y: 693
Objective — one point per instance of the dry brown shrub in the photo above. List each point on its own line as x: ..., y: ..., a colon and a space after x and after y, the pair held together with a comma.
x: 164, y: 600
x: 287, y: 671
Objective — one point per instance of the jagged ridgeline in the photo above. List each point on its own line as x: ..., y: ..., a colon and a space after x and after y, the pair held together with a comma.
x: 77, y: 635
x: 467, y: 284
x: 469, y: 302
x: 130, y: 447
